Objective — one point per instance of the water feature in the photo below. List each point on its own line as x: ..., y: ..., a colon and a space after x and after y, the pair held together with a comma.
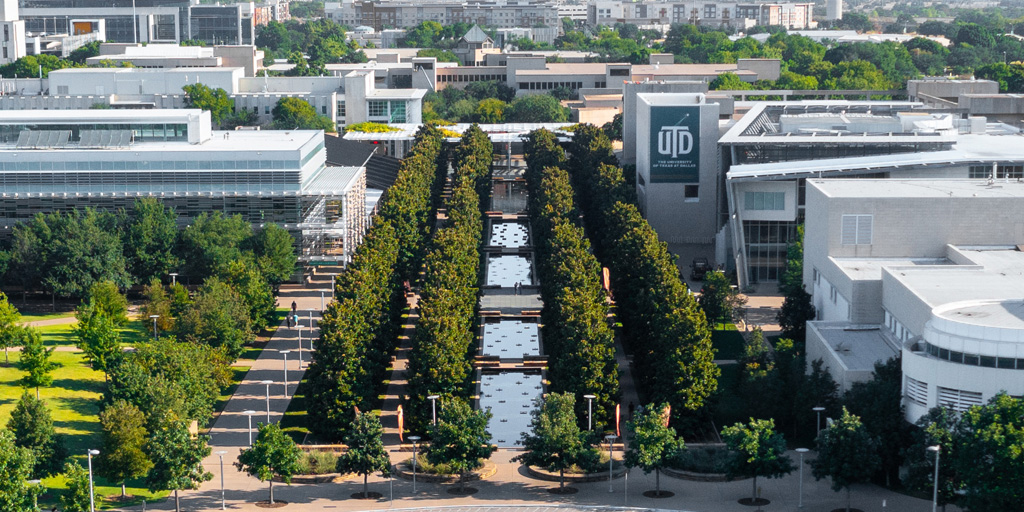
x: 511, y: 339
x: 509, y: 235
x: 505, y: 270
x: 510, y: 397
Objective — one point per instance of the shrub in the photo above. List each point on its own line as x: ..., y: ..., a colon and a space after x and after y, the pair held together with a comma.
x: 703, y: 459
x: 370, y: 128
x: 317, y: 463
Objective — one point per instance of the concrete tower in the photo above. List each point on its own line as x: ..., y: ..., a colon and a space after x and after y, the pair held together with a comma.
x: 834, y: 10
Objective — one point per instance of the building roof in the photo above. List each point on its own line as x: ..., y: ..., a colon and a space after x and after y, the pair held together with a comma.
x: 857, y: 347
x: 476, y: 35
x: 332, y: 181
x: 99, y: 116
x: 381, y: 169
x: 918, y: 188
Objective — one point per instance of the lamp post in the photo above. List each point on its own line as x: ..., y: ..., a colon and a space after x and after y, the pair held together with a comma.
x: 321, y: 300
x: 590, y: 411
x: 433, y: 406
x: 297, y: 324
x: 35, y: 496
x: 800, y: 500
x: 221, y: 453
x: 286, y: 352
x: 611, y: 442
x: 268, y: 383
x: 154, y: 317
x: 935, y: 488
x: 414, y: 439
x: 818, y: 410
x: 174, y: 278
x: 92, y: 494
x: 249, y: 413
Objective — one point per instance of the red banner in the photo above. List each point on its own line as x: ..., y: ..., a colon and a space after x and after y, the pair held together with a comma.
x: 618, y: 417
x: 401, y: 424
x: 666, y: 414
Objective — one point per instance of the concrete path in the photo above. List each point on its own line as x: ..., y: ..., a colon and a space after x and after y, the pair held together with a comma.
x: 399, y: 378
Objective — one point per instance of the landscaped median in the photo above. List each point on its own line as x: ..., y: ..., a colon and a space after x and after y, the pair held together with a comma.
x: 439, y: 473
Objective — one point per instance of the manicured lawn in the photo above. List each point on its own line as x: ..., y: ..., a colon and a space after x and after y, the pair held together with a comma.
x: 730, y: 405
x: 294, y: 421
x: 46, y: 316
x: 73, y: 398
x: 728, y: 342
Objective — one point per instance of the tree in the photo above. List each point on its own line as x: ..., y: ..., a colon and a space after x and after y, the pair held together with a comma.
x: 10, y: 325
x: 256, y: 294
x: 219, y: 317
x: 80, y: 54
x: 123, y: 455
x: 177, y: 460
x: 460, y: 438
x: 273, y: 453
x: 33, y: 429
x: 35, y: 360
x: 439, y: 54
x: 157, y: 302
x: 108, y: 301
x: 879, y: 402
x: 149, y: 231
x: 654, y: 443
x: 274, y: 248
x: 76, y: 498
x: 556, y: 442
x: 718, y: 298
x: 212, y: 242
x: 536, y: 108
x: 729, y: 82
x: 97, y: 335
x: 16, y: 463
x: 988, y: 457
x: 366, y: 453
x: 216, y: 101
x: 297, y: 114
x: 939, y: 427
x: 757, y: 451
x: 847, y: 453
x: 613, y: 129
x: 490, y: 110
x: 796, y: 311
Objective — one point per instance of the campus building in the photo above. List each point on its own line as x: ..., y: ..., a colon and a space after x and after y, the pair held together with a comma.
x: 408, y: 14
x: 58, y: 160
x: 724, y: 15
x: 928, y: 271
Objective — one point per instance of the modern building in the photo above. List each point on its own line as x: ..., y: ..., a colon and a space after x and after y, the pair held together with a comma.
x: 134, y: 55
x: 833, y: 10
x: 127, y: 21
x: 217, y: 24
x: 677, y: 163
x: 65, y: 159
x: 12, y: 46
x: 927, y: 271
x: 353, y: 98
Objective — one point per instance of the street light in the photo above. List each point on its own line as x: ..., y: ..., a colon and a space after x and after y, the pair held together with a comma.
x: 433, y: 406
x: 35, y: 496
x: 154, y: 317
x: 92, y: 494
x: 414, y: 439
x: 935, y: 489
x: 268, y: 383
x: 249, y: 414
x: 590, y: 411
x: 174, y: 278
x: 286, y: 352
x: 801, y: 451
x: 818, y: 410
x: 321, y: 300
x: 297, y: 324
x: 611, y: 441
x: 221, y: 453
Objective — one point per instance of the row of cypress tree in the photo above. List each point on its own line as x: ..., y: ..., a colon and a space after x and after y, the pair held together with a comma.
x: 440, y: 361
x: 578, y: 339
x: 359, y: 328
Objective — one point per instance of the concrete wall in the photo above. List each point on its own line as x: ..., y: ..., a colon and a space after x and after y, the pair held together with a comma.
x: 936, y: 372
x: 950, y: 89
x: 629, y: 121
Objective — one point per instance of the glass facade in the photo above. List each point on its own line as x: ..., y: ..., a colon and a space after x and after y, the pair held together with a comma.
x: 1006, y: 363
x: 767, y: 243
x: 140, y: 132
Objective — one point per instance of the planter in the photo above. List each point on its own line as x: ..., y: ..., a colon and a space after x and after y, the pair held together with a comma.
x: 696, y: 477
x: 403, y: 470
x: 549, y: 476
x: 318, y: 479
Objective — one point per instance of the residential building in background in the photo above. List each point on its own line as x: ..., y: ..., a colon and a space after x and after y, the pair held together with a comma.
x: 408, y: 14
x: 733, y: 15
x: 12, y: 45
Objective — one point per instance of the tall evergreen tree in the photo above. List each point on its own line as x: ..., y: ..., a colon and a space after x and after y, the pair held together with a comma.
x: 124, y: 437
x: 16, y: 467
x: 33, y: 429
x: 35, y: 360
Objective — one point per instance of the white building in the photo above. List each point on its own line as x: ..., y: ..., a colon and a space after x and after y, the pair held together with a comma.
x: 408, y: 14
x: 12, y: 46
x: 58, y: 160
x: 928, y: 271
x: 736, y: 15
x: 833, y: 10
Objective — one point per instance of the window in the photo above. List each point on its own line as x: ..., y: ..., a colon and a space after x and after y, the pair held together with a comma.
x: 917, y: 391
x: 397, y: 112
x: 691, y: 192
x: 323, y: 109
x: 341, y: 109
x: 377, y: 108
x: 856, y: 229
x: 764, y: 200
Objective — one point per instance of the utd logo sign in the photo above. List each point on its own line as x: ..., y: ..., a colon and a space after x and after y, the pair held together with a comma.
x: 675, y: 141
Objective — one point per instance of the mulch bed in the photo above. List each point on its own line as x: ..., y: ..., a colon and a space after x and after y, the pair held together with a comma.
x: 464, y: 491
x: 656, y: 494
x: 757, y: 502
x: 563, y: 490
x: 268, y: 504
x: 368, y: 496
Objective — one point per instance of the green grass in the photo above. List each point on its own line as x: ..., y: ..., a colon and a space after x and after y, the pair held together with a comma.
x: 107, y: 493
x: 46, y: 316
x: 62, y: 335
x: 73, y: 398
x: 294, y: 421
x: 237, y: 375
x: 730, y: 406
x: 728, y: 342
